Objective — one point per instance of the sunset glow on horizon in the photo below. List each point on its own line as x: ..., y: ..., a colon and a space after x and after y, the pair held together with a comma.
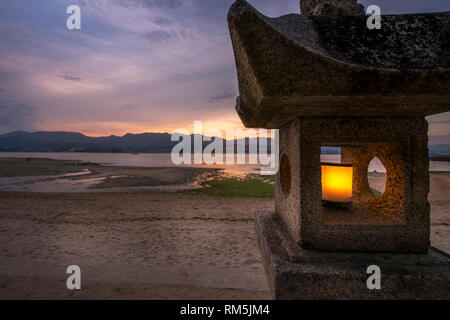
x: 135, y: 66
x: 100, y: 129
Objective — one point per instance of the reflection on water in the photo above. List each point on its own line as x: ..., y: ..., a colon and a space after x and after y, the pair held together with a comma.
x: 63, y: 183
x: 164, y: 160
x: 55, y: 183
x: 154, y: 160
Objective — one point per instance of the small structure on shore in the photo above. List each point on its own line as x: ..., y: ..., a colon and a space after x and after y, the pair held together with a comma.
x: 325, y: 79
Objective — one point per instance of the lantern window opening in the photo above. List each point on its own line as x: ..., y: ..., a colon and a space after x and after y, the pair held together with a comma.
x: 346, y: 196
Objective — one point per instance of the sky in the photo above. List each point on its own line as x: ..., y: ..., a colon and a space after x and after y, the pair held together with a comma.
x: 135, y: 66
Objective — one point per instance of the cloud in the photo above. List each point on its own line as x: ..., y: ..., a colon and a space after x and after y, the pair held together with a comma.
x: 160, y: 35
x: 443, y: 121
x: 410, y: 6
x: 228, y: 94
x: 142, y: 64
x: 439, y: 124
x: 161, y: 21
x: 70, y: 77
x: 439, y: 118
x: 139, y: 16
x: 16, y: 116
x: 152, y: 4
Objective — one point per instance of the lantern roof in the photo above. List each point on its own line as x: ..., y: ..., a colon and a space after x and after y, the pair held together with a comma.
x: 308, y: 66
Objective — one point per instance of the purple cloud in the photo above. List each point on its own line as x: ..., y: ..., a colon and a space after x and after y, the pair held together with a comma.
x: 172, y: 58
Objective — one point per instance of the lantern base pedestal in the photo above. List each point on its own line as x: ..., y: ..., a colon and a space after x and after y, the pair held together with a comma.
x: 295, y: 273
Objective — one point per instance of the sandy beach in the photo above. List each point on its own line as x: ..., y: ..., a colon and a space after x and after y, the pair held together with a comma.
x: 146, y: 245
x: 140, y: 245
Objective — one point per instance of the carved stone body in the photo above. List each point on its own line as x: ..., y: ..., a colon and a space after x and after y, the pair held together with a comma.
x: 324, y: 79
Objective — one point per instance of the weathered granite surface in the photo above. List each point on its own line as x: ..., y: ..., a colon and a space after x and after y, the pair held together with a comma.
x: 331, y: 7
x: 398, y: 221
x: 324, y: 79
x: 304, y: 65
x: 294, y: 273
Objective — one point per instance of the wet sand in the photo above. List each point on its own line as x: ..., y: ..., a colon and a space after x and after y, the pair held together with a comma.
x: 136, y: 245
x: 145, y: 245
x: 65, y: 176
x: 439, y: 198
x: 377, y: 181
x: 25, y: 167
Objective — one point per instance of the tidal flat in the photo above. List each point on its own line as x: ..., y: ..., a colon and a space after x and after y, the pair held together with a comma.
x: 138, y: 243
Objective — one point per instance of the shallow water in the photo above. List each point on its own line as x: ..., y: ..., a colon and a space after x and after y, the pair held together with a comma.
x: 63, y: 183
x: 152, y: 160
x: 164, y: 160
x: 53, y: 183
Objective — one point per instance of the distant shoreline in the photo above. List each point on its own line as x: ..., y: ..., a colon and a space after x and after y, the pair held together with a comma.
x: 69, y: 176
x: 443, y: 158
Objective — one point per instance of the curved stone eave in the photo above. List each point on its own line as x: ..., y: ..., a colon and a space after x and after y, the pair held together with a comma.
x: 320, y: 34
x: 332, y: 87
x: 279, y: 111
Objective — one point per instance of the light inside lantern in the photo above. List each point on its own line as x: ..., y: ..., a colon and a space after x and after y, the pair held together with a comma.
x: 337, y: 182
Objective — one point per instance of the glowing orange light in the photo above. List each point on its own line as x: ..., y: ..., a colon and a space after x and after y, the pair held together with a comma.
x: 337, y: 182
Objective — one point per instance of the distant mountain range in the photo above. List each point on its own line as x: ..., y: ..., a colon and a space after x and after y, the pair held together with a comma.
x: 21, y: 141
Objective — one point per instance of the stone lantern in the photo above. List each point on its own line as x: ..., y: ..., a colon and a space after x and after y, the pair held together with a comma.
x: 325, y: 79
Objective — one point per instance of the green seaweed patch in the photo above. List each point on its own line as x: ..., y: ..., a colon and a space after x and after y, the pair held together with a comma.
x: 377, y: 193
x: 249, y: 187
